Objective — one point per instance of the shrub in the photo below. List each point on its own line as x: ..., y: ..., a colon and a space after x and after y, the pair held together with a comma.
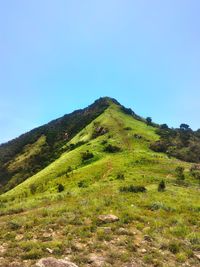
x: 159, y: 146
x: 161, y: 186
x: 104, y: 142
x: 61, y: 188
x: 32, y: 188
x: 149, y: 121
x: 128, y: 128
x: 82, y: 184
x: 98, y: 131
x: 69, y: 169
x: 195, y: 172
x: 120, y: 176
x: 112, y: 149
x: 87, y: 155
x: 180, y: 173
x: 14, y: 225
x: 174, y: 247
x: 132, y: 188
x: 159, y: 205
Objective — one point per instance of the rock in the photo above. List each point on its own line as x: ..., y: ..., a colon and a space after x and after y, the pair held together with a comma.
x: 106, y: 230
x: 19, y: 237
x: 47, y: 235
x: 52, y: 262
x: 109, y: 218
x: 123, y: 231
x: 143, y: 250
x: 96, y: 260
x: 49, y: 250
x: 3, y: 248
x: 197, y: 256
x: 147, y: 238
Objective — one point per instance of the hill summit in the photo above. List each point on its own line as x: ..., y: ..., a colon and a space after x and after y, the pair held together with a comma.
x: 90, y: 186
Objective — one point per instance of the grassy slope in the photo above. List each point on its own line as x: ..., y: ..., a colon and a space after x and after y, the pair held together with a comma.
x: 170, y: 219
x: 28, y: 151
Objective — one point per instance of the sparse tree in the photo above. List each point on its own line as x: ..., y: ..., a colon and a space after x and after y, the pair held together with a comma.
x: 32, y: 188
x: 161, y: 186
x: 149, y: 120
x: 184, y: 126
x: 164, y: 126
x: 61, y: 188
x: 180, y: 173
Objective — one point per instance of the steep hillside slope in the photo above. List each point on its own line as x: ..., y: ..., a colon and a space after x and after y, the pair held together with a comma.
x: 106, y: 168
x: 31, y: 152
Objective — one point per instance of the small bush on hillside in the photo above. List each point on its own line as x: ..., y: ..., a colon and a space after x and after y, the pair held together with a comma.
x: 120, y: 176
x: 133, y: 189
x: 14, y: 225
x: 82, y: 184
x: 159, y: 205
x: 104, y: 142
x: 159, y: 146
x: 174, y: 247
x: 69, y: 169
x: 98, y: 131
x: 87, y: 155
x: 149, y: 121
x: 73, y: 146
x: 161, y: 186
x: 128, y: 128
x: 195, y: 172
x: 180, y: 173
x: 32, y: 188
x: 112, y: 149
x: 61, y: 188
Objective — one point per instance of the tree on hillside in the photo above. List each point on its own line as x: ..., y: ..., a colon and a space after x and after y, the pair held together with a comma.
x: 180, y: 173
x: 184, y: 126
x: 164, y: 126
x: 161, y: 186
x: 149, y: 120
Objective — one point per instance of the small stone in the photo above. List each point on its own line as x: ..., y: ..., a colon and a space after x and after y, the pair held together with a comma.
x: 197, y: 256
x: 47, y: 235
x: 143, y: 250
x: 52, y: 262
x: 19, y: 237
x: 109, y: 218
x: 123, y: 231
x: 49, y: 250
x: 147, y: 238
x: 3, y: 248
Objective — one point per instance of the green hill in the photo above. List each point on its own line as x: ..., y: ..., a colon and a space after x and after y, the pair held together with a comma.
x: 106, y: 167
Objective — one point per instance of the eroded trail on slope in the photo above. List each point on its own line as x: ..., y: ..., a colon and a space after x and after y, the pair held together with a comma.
x: 120, y: 128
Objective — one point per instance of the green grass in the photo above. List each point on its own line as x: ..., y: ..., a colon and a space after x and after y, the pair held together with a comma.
x: 67, y: 222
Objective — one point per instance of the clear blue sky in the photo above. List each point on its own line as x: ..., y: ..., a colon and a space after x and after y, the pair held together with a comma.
x: 60, y: 55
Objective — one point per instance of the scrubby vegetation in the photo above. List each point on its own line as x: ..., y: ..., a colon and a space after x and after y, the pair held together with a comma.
x: 111, y: 148
x: 161, y: 186
x: 133, y: 189
x: 87, y: 155
x: 182, y: 143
